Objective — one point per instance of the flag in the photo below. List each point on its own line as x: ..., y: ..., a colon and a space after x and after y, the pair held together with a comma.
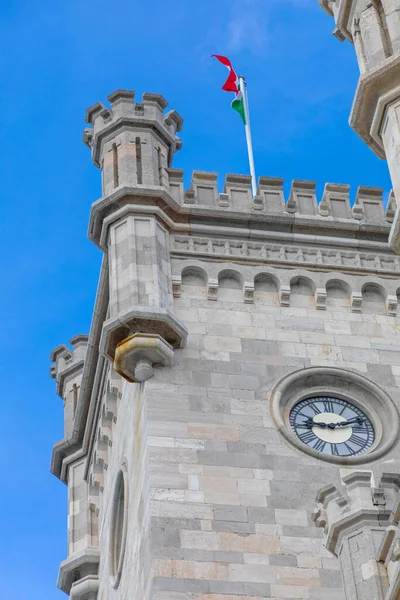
x: 232, y: 85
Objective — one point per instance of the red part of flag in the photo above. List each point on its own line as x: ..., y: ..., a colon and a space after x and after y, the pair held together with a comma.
x: 230, y: 84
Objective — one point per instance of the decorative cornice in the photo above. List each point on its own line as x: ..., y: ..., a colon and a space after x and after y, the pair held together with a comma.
x: 287, y: 254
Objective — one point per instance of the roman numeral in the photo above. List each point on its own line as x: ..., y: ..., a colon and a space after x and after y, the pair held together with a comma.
x: 357, y: 440
x: 315, y: 409
x: 334, y: 450
x: 328, y: 406
x: 308, y: 437
x: 320, y: 445
x: 359, y: 429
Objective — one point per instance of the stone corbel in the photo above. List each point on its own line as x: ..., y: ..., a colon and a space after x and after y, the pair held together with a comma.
x: 248, y: 293
x: 189, y: 197
x: 176, y: 286
x: 223, y: 200
x: 323, y: 208
x: 356, y: 302
x: 320, y: 298
x: 284, y: 295
x: 358, y: 212
x: 212, y: 289
x: 78, y: 567
x: 258, y: 202
x: 391, y: 305
x: 136, y: 356
x: 85, y: 589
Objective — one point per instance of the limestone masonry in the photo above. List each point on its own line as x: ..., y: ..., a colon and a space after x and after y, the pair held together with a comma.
x: 217, y: 316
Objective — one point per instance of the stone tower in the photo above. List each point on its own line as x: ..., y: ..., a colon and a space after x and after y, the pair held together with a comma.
x: 232, y: 418
x: 373, y: 26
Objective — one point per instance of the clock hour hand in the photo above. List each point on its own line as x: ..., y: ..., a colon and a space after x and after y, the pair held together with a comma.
x: 310, y: 423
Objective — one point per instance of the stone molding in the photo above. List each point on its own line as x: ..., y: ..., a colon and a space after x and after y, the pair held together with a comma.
x: 294, y: 255
x: 78, y: 566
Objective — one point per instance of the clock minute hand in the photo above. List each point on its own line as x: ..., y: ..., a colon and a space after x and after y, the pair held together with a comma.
x: 355, y: 421
x: 310, y: 423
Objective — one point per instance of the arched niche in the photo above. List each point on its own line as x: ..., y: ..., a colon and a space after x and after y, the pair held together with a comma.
x: 194, y: 282
x: 302, y: 291
x: 230, y: 286
x: 266, y: 289
x: 373, y: 299
x: 338, y: 294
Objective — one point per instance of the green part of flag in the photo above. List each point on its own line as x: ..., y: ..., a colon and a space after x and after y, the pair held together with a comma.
x: 238, y: 105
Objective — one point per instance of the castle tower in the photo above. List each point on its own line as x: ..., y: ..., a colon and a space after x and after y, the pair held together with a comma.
x: 373, y: 27
x: 243, y: 359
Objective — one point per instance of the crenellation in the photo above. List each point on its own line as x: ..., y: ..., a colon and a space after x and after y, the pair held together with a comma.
x: 336, y: 201
x: 270, y: 189
x: 175, y: 183
x: 238, y: 188
x: 204, y: 187
x: 303, y: 198
x: 371, y: 201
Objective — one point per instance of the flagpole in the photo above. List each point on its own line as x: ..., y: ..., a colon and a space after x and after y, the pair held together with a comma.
x: 242, y: 87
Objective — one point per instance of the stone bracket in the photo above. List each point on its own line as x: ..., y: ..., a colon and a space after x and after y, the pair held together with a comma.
x: 136, y: 356
x: 78, y: 566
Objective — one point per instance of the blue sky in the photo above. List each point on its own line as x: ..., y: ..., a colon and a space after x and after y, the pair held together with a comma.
x: 58, y: 58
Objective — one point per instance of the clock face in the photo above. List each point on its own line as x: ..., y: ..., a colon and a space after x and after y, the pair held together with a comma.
x: 332, y: 426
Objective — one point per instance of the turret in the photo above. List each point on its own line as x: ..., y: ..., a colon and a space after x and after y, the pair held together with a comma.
x: 67, y: 371
x: 360, y: 522
x: 134, y: 144
x: 373, y: 27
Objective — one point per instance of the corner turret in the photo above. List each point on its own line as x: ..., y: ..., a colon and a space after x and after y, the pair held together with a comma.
x: 134, y: 144
x: 67, y: 369
x: 373, y: 28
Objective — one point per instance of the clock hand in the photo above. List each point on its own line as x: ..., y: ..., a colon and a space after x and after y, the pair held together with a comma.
x: 310, y: 423
x: 355, y: 421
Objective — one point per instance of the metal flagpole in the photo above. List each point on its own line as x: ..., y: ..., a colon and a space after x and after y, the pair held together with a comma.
x: 242, y: 87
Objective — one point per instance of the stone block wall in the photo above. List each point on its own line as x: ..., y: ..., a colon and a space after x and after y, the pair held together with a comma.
x: 231, y: 500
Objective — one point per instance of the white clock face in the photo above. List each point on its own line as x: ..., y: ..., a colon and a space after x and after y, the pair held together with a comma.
x: 332, y: 426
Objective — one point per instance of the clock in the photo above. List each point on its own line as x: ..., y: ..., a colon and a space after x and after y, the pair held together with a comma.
x: 332, y: 426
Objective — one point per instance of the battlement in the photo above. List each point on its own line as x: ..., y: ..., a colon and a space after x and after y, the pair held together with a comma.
x: 124, y: 113
x: 270, y: 198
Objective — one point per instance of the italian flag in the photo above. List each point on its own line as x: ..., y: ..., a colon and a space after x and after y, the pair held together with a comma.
x: 232, y: 85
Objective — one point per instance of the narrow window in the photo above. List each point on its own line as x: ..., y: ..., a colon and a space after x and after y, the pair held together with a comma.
x: 75, y: 397
x: 160, y: 178
x: 115, y: 165
x: 138, y: 160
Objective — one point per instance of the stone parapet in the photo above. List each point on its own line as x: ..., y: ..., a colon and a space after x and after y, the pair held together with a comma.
x: 270, y: 199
